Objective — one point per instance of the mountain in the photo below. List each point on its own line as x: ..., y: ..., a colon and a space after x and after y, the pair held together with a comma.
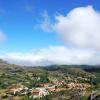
x: 2, y: 61
x: 32, y: 77
x: 6, y: 67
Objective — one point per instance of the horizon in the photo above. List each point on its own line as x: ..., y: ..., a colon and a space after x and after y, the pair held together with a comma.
x: 40, y: 33
x: 50, y: 65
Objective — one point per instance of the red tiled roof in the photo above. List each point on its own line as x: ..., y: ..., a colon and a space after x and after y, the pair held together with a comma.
x: 35, y: 91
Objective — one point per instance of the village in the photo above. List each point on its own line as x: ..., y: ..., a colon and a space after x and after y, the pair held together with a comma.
x: 46, y: 83
x: 44, y: 89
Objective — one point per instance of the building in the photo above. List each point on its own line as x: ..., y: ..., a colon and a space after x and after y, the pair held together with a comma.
x: 39, y: 92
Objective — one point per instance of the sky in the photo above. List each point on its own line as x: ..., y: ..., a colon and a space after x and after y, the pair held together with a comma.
x: 44, y: 32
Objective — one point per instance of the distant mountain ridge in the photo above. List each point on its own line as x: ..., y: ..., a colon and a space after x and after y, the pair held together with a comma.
x: 6, y: 67
x: 3, y: 61
x: 88, y: 68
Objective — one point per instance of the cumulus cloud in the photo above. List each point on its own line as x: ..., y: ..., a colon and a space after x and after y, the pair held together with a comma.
x: 53, y: 55
x: 2, y: 36
x: 80, y: 28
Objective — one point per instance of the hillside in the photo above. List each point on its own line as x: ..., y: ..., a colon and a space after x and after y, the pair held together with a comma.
x: 83, y: 78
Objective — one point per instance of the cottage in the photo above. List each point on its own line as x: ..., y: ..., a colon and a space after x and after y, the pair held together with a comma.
x: 39, y: 92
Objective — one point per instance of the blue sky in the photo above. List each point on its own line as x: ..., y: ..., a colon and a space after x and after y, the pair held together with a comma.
x: 18, y: 21
x: 21, y: 23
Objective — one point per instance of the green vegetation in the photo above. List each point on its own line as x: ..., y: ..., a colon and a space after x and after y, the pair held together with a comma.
x: 32, y: 77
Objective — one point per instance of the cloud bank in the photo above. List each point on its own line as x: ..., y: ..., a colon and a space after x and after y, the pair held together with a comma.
x: 53, y: 55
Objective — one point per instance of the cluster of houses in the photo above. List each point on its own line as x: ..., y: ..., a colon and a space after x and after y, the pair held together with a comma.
x: 13, y: 90
x: 44, y: 89
x: 39, y: 92
x: 81, y: 86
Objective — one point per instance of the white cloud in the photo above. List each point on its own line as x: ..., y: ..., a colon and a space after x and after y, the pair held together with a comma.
x: 80, y: 28
x: 53, y: 55
x: 2, y: 36
x: 45, y: 24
